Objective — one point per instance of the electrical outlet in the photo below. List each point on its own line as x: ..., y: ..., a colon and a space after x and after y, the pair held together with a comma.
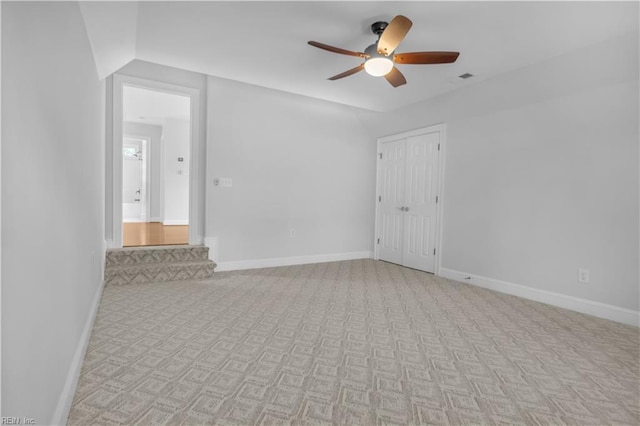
x: 583, y: 275
x: 226, y: 182
x: 292, y: 232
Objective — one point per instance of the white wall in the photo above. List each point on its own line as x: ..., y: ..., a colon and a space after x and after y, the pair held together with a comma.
x: 0, y: 212
x: 542, y: 173
x: 154, y: 133
x: 176, y: 174
x: 52, y: 221
x: 296, y: 163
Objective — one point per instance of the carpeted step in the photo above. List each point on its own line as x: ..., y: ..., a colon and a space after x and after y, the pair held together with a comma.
x: 159, y: 254
x: 134, y: 265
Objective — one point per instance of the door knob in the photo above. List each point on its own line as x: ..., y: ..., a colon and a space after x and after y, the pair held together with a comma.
x: 406, y: 209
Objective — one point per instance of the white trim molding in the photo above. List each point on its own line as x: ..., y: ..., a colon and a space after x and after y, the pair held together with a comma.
x: 63, y: 407
x: 589, y: 307
x: 290, y: 261
x: 114, y: 144
x: 176, y: 222
x: 214, y: 251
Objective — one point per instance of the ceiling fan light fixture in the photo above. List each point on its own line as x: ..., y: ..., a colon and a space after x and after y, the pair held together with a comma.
x: 378, y: 66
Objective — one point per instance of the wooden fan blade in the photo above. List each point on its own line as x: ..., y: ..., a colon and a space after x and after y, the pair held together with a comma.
x: 347, y: 73
x: 426, y: 57
x: 393, y: 35
x: 395, y: 77
x: 338, y: 50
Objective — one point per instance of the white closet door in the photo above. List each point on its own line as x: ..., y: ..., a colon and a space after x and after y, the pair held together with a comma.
x: 421, y: 171
x: 407, y: 209
x: 391, y: 192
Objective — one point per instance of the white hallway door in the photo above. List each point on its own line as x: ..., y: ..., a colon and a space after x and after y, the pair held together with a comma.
x: 134, y: 200
x: 407, y: 203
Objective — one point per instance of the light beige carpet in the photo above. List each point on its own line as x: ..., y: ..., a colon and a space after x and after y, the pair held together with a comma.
x: 358, y: 342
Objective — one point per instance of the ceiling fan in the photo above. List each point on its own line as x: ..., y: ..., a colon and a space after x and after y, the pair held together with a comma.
x: 380, y: 56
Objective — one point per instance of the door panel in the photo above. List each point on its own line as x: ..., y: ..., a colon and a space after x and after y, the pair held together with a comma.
x: 392, y: 196
x: 420, y: 186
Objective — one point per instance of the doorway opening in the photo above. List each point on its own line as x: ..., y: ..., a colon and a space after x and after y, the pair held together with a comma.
x: 156, y: 141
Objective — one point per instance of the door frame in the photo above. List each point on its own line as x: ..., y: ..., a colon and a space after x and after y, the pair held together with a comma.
x: 436, y: 128
x: 196, y: 149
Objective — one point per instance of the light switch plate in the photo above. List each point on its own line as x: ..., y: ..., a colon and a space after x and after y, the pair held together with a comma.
x: 583, y: 275
x: 226, y: 182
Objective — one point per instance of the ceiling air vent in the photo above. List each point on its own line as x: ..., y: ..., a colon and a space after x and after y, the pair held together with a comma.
x: 465, y: 76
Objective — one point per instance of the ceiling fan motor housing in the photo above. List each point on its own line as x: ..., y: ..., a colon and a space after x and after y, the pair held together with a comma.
x: 372, y: 51
x: 378, y: 27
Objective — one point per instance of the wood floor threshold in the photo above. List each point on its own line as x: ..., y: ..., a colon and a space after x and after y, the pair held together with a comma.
x: 144, y: 234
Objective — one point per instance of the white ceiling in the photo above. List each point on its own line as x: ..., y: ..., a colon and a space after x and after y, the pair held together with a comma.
x: 265, y: 43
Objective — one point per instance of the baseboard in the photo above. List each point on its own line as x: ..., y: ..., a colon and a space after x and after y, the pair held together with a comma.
x: 133, y: 220
x: 103, y: 265
x: 589, y: 307
x: 175, y: 222
x: 289, y: 261
x: 63, y: 407
x: 212, y: 243
x: 154, y: 219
